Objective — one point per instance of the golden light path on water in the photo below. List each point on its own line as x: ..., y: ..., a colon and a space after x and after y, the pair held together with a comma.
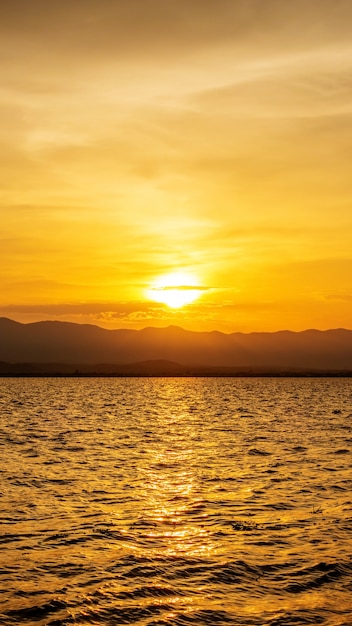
x: 172, y: 525
x: 171, y: 495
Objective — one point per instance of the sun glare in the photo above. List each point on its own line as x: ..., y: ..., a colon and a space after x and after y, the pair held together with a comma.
x: 175, y: 290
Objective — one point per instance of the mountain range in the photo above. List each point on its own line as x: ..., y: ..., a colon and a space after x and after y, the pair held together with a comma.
x: 64, y: 347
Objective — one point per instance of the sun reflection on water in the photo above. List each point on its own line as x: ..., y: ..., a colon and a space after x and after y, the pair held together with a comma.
x: 175, y: 508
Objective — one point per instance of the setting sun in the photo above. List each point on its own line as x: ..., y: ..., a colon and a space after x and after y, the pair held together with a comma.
x: 175, y: 290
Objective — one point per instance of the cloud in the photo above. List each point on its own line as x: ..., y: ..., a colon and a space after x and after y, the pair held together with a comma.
x: 181, y: 288
x: 106, y: 314
x: 56, y: 46
x: 306, y: 85
x: 107, y: 24
x: 116, y: 310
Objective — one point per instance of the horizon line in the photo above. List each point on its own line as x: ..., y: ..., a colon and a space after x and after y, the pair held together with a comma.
x: 175, y: 326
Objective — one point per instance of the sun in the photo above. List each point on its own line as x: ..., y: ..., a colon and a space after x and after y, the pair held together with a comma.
x: 175, y: 289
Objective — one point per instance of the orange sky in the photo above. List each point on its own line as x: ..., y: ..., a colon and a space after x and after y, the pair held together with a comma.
x: 144, y: 138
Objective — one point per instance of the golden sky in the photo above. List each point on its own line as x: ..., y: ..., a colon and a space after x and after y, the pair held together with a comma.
x: 160, y: 148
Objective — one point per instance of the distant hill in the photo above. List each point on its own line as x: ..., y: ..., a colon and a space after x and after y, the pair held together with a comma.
x: 168, y: 350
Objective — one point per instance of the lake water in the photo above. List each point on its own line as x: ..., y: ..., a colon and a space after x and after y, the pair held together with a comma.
x: 176, y: 501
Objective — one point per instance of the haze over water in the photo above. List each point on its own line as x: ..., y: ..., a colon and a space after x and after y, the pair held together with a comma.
x: 176, y: 501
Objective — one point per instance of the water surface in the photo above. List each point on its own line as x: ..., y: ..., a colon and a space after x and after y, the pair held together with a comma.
x: 176, y: 501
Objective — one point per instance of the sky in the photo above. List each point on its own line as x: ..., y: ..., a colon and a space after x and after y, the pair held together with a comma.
x: 178, y: 162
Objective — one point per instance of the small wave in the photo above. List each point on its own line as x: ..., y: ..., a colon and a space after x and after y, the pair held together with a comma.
x: 318, y: 575
x: 279, y: 506
x: 238, y: 572
x: 36, y: 612
x: 297, y: 618
x: 258, y: 452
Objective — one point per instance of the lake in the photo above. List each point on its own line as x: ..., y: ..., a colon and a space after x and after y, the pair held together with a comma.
x: 176, y: 501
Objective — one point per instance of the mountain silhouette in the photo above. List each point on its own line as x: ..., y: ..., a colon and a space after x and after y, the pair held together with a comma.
x: 169, y: 348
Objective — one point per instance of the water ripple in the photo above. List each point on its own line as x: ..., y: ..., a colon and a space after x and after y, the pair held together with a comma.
x: 176, y: 502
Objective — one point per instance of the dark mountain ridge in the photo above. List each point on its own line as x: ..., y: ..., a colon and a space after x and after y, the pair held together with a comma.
x: 69, y: 343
